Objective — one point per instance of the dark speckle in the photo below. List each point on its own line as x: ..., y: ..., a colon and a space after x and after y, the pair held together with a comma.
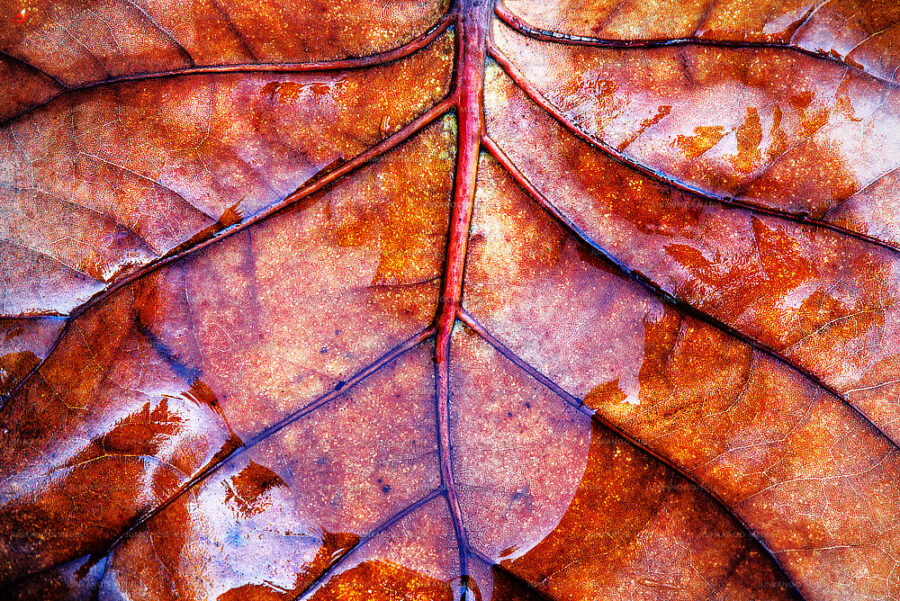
x: 385, y: 489
x: 323, y: 350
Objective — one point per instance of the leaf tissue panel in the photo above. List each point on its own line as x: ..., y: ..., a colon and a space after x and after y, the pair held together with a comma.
x: 439, y: 300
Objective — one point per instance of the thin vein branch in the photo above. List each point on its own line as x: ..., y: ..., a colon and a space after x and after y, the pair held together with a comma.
x: 807, y: 19
x: 336, y: 65
x: 277, y: 208
x: 80, y: 207
x: 659, y: 176
x: 663, y: 295
x: 518, y: 24
x: 336, y: 564
x: 179, y: 47
x: 512, y: 575
x: 33, y: 68
x: 234, y: 29
x: 862, y: 190
x: 146, y: 178
x: 578, y: 404
x: 44, y: 254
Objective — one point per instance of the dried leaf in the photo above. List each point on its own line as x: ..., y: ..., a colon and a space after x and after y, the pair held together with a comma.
x: 537, y: 300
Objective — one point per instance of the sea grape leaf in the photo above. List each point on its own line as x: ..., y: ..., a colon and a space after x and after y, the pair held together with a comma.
x: 428, y: 300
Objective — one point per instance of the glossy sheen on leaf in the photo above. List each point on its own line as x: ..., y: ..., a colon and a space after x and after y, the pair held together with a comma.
x: 571, y: 300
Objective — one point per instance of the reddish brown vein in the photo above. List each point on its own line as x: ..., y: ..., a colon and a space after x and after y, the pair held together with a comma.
x: 659, y: 176
x: 545, y: 35
x: 335, y: 65
x: 578, y: 404
x: 662, y: 294
x: 277, y: 208
x: 472, y: 26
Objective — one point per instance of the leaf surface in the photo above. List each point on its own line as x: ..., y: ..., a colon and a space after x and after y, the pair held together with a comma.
x: 411, y: 300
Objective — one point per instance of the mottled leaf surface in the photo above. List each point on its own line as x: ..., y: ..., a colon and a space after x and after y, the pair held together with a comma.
x: 571, y: 300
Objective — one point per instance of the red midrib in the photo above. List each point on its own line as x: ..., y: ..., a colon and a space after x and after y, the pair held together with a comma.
x: 473, y: 17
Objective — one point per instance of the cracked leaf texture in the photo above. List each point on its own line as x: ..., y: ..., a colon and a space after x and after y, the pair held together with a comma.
x: 431, y: 300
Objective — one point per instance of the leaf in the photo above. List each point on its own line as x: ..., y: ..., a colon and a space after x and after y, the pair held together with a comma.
x: 412, y: 300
